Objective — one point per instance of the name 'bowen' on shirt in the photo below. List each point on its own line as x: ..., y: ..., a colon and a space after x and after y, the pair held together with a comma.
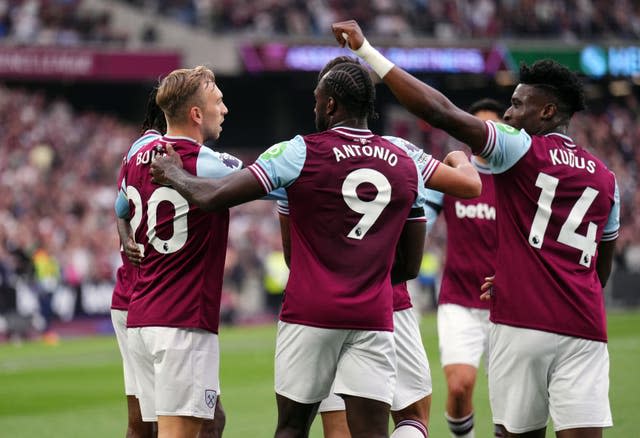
x: 355, y: 150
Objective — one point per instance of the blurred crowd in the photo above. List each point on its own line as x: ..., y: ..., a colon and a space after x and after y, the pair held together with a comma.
x: 564, y: 19
x: 57, y: 190
x: 56, y: 23
x: 66, y: 23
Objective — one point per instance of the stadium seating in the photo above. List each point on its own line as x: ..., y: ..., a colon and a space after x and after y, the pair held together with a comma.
x: 569, y: 20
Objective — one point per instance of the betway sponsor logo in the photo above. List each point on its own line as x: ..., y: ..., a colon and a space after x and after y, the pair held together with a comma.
x: 475, y: 211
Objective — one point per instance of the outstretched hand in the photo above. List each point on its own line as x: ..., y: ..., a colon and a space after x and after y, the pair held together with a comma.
x: 348, y: 32
x: 487, y: 288
x: 163, y: 164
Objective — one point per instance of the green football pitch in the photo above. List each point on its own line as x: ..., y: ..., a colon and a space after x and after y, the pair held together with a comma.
x: 74, y: 389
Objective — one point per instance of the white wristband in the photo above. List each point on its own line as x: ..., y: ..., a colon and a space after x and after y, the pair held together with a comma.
x: 375, y: 59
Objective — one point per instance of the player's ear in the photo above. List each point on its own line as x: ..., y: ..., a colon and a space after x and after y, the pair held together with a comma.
x: 331, y: 106
x: 549, y: 110
x: 195, y: 113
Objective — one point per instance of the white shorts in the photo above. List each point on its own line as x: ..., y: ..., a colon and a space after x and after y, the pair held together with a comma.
x: 176, y: 370
x: 533, y: 373
x: 413, y: 379
x: 308, y: 360
x: 119, y: 321
x: 463, y: 335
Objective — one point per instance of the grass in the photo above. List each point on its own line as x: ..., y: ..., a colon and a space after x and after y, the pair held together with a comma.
x: 75, y: 389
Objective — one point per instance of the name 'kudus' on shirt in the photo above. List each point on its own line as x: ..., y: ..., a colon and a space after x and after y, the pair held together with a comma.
x: 568, y: 158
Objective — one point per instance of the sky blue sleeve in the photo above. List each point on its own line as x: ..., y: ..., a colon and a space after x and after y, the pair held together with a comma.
x: 122, y: 205
x: 420, y: 159
x: 147, y: 138
x: 610, y: 231
x: 414, y: 152
x: 505, y: 146
x: 432, y: 207
x: 427, y: 165
x: 212, y: 164
x: 283, y: 207
x: 277, y: 195
x: 421, y: 198
x: 281, y: 164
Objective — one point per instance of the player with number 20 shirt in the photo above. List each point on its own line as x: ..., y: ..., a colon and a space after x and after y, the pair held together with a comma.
x: 166, y: 225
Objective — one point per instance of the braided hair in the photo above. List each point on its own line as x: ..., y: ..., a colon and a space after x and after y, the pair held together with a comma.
x: 351, y: 86
x: 154, y: 116
x: 558, y: 81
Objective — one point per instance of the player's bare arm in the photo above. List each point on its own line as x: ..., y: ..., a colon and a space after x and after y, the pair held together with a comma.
x: 605, y: 260
x: 409, y: 252
x: 286, y: 238
x: 210, y: 194
x: 422, y: 100
x: 131, y: 250
x: 458, y: 177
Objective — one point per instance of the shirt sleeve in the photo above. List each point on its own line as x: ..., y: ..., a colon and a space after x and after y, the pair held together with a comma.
x: 281, y: 164
x: 610, y: 231
x: 122, y: 205
x: 421, y: 198
x: 416, y: 215
x: 433, y: 207
x: 122, y: 202
x: 505, y: 146
x: 146, y: 138
x: 427, y: 165
x: 283, y: 207
x: 276, y: 195
x: 212, y: 164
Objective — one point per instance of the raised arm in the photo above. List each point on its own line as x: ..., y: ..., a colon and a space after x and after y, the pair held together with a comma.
x: 419, y: 98
x: 207, y: 193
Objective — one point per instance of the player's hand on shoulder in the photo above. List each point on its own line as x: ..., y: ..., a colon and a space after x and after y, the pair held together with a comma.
x: 163, y: 164
x: 348, y: 32
x: 487, y: 288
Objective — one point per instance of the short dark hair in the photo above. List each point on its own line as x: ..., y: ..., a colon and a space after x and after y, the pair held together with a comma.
x: 350, y: 84
x: 557, y: 80
x: 487, y: 105
x: 154, y: 117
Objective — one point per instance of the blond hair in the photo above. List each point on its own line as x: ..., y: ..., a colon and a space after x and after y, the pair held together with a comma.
x: 179, y: 90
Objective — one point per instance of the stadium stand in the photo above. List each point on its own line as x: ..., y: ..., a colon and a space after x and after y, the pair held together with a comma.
x: 56, y: 23
x: 567, y: 20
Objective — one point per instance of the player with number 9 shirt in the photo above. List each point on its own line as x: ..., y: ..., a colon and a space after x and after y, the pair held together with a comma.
x: 558, y: 210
